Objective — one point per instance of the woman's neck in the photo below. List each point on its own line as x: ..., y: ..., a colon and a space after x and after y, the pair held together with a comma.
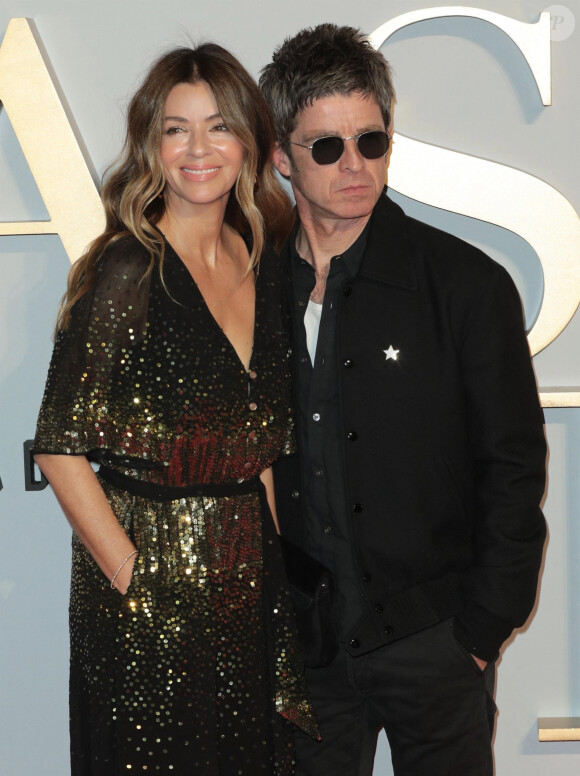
x: 200, y: 235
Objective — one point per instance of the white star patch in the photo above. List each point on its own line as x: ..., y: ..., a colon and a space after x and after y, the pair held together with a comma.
x: 391, y: 353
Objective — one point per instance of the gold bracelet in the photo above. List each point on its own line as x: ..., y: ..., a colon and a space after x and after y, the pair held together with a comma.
x: 135, y: 552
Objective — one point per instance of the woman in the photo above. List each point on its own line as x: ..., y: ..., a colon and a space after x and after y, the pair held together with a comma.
x: 170, y: 369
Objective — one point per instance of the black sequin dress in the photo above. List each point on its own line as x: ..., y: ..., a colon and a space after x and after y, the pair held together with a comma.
x: 195, y: 671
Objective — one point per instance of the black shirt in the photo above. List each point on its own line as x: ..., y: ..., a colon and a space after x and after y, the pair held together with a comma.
x: 327, y: 531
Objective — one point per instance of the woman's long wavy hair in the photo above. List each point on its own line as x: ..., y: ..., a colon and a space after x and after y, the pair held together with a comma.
x: 132, y: 186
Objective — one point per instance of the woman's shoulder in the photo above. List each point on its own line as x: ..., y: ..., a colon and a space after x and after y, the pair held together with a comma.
x: 122, y: 281
x: 125, y: 258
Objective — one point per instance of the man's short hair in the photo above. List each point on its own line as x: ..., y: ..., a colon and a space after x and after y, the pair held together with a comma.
x: 319, y: 62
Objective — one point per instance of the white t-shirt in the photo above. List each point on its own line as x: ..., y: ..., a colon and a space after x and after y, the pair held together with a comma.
x: 312, y: 325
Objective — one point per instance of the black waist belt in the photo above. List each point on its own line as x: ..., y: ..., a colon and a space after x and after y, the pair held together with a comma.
x: 155, y: 492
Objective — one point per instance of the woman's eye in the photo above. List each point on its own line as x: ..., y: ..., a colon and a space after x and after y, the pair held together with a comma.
x: 174, y: 130
x: 220, y: 128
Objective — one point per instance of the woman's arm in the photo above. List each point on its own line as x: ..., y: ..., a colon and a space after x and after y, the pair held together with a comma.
x: 84, y: 503
x: 268, y: 479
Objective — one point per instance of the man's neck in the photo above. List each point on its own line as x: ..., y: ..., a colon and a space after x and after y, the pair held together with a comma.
x: 318, y: 242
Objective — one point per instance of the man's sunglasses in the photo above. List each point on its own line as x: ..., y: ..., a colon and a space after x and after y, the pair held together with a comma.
x: 328, y: 150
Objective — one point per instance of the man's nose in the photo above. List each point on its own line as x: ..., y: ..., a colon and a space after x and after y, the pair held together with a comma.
x: 351, y: 158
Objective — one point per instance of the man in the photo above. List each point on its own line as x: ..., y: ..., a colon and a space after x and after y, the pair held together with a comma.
x: 421, y: 443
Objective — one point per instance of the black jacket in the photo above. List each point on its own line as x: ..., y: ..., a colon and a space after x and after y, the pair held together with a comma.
x: 446, y: 470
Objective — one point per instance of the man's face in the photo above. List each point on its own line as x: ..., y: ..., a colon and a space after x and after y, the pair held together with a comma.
x: 349, y: 188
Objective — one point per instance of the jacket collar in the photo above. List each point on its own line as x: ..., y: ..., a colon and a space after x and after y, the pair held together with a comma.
x: 387, y: 257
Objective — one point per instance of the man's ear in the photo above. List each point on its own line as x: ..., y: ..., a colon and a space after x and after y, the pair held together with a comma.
x: 281, y: 161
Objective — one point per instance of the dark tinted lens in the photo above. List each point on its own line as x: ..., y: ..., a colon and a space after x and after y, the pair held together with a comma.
x: 327, y: 150
x: 373, y: 145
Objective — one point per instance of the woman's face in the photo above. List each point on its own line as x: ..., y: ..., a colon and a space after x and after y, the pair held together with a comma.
x: 200, y: 156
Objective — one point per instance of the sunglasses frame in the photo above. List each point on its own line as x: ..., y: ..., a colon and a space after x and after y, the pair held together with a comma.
x: 356, y: 138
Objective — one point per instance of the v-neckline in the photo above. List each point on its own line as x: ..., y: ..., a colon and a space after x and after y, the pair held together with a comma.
x: 212, y: 317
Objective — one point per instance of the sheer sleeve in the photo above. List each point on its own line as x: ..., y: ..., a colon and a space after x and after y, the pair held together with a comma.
x: 84, y: 409
x: 278, y: 324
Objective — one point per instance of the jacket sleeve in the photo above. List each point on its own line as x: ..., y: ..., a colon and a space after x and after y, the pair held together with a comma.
x: 505, y: 425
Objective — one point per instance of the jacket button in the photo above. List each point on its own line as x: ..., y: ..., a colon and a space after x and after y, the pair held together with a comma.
x: 389, y: 630
x: 354, y: 643
x: 347, y: 363
x: 379, y: 608
x: 295, y: 494
x: 357, y: 507
x: 366, y: 577
x: 352, y: 436
x: 347, y: 290
x: 327, y: 529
